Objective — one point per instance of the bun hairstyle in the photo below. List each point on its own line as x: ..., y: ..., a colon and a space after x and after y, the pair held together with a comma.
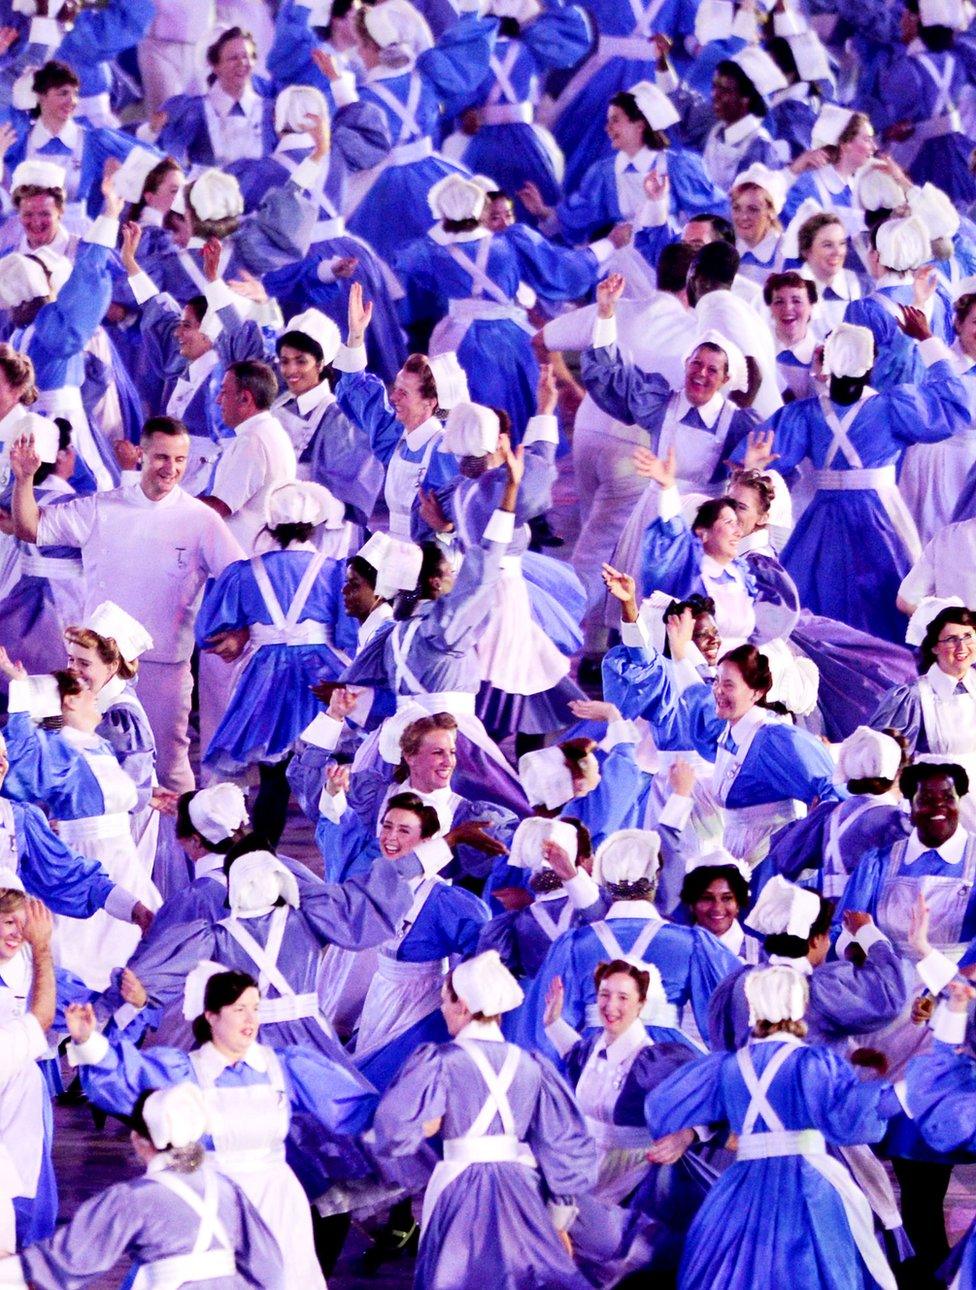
x: 429, y: 823
x: 753, y: 667
x: 620, y: 967
x: 760, y: 484
x: 18, y: 370
x: 182, y: 1160
x: 223, y: 989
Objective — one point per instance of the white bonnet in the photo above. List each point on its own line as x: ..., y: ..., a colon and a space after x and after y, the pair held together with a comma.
x: 772, y: 182
x: 868, y: 754
x: 526, y: 848
x: 546, y: 778
x: 456, y: 198
x: 796, y: 680
x: 928, y: 608
x: 761, y: 70
x: 903, y: 244
x: 129, y: 181
x: 21, y: 279
x: 256, y: 882
x: 38, y: 173
x: 776, y: 994
x: 319, y: 327
x: 450, y: 380
x: 627, y: 856
x: 654, y: 105
x: 217, y: 812
x: 303, y: 501
x: 294, y: 104
x: 114, y: 623
x: 934, y: 208
x: 783, y: 908
x: 736, y: 360
x: 471, y: 430
x: 849, y: 351
x: 215, y: 196
x: 175, y: 1116
x: 397, y: 563
x: 484, y: 984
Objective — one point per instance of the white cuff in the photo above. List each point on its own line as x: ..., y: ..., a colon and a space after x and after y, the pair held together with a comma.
x: 500, y: 528
x: 104, y: 231
x: 308, y: 175
x: 582, y: 890
x: 44, y: 31
x: 900, y: 1090
x: 324, y: 732
x: 146, y: 134
x: 434, y: 854
x: 124, y: 1016
x: 542, y: 428
x: 19, y: 696
x: 350, y: 358
x: 11, y: 1268
x: 635, y: 634
x: 142, y: 287
x: 666, y: 81
x: 602, y: 249
x: 949, y: 1027
x: 685, y: 674
x: 332, y: 806
x: 871, y: 934
x: 218, y: 295
x: 604, y: 332
x: 91, y: 1052
x: 676, y: 812
x: 119, y: 904
x: 935, y: 971
x: 934, y: 350
x: 563, y: 1216
x: 619, y: 731
x: 326, y: 269
x: 745, y: 26
x: 344, y: 90
x: 561, y: 1035
x: 842, y: 942
x: 653, y: 213
x: 669, y: 503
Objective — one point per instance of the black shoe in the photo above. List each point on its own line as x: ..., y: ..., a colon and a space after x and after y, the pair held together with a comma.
x: 399, y: 1238
x: 542, y: 534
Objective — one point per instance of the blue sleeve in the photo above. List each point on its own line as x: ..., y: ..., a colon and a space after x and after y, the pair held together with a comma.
x: 591, y: 207
x: 799, y: 764
x: 790, y: 425
x: 347, y: 848
x: 710, y: 963
x: 851, y: 1000
x: 65, y: 325
x: 99, y: 35
x: 863, y: 888
x: 637, y: 679
x: 341, y: 1099
x: 116, y: 1082
x: 554, y: 271
x: 459, y: 59
x: 134, y: 747
x: 42, y: 765
x: 624, y: 390
x: 692, y: 192
x: 289, y: 60
x: 223, y: 603
x: 465, y: 915
x: 691, y: 1095
x: 362, y: 397
x: 932, y: 410
x: 457, y: 617
x: 559, y: 37
x: 364, y: 910
x: 157, y: 331
x: 900, y: 709
x: 360, y: 135
x: 68, y: 884
x: 940, y: 1088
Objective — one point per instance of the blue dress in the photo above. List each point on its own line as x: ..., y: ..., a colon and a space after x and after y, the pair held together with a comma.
x: 924, y: 88
x: 84, y: 162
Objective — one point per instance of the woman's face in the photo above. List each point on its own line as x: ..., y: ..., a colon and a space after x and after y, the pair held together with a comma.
x: 298, y: 369
x: 828, y: 251
x: 58, y: 105
x: 9, y: 394
x: 858, y: 151
x: 166, y: 192
x: 791, y: 310
x: 706, y: 637
x: 721, y: 541
x: 706, y: 371
x: 408, y: 403
x: 234, y: 66
x: 88, y: 667
x: 752, y: 214
x: 955, y: 649
x: 12, y: 932
x: 618, y: 1002
x: 733, y: 697
x: 235, y: 1026
x: 625, y: 135
x: 586, y: 775
x: 728, y: 102
x: 80, y: 711
x: 399, y: 833
x: 747, y: 505
x: 716, y: 909
x: 966, y: 331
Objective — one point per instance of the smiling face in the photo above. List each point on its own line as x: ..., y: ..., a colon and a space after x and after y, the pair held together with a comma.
x: 721, y: 540
x: 400, y: 832
x: 625, y: 135
x: 12, y: 924
x: 298, y: 369
x: 40, y: 217
x: 748, y: 509
x: 706, y: 636
x: 966, y: 331
x: 827, y: 252
x: 706, y: 371
x: 935, y: 810
x: 717, y: 908
x: 409, y: 404
x: 190, y: 338
x: 164, y: 458
x: 618, y: 1002
x: 955, y: 649
x: 752, y: 213
x: 728, y: 102
x: 234, y: 66
x: 855, y: 152
x: 58, y: 106
x: 88, y: 667
x: 733, y: 697
x: 432, y: 765
x: 791, y: 310
x: 166, y: 191
x: 235, y: 1026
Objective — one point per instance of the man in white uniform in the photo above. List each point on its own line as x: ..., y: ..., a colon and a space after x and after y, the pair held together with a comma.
x: 149, y: 547
x: 946, y: 567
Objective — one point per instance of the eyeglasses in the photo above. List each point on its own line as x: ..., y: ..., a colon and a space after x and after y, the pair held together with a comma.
x: 958, y: 642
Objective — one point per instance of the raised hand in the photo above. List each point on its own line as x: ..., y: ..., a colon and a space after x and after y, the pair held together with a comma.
x: 113, y: 202
x: 926, y: 281
x: 8, y: 136
x: 855, y: 919
x: 621, y: 234
x: 11, y: 670
x: 514, y: 462
x: 326, y: 64
x: 472, y: 833
x: 250, y: 287
x: 557, y: 858
x: 759, y: 450
x: 132, y: 990
x: 211, y: 258
x: 546, y: 392
x: 532, y: 199
x: 662, y: 470
x: 359, y: 313
x: 608, y: 292
x: 594, y: 710
x: 960, y: 995
x: 39, y: 926
x: 317, y: 128
x: 24, y: 461
x: 131, y: 237
x: 620, y: 585
x: 341, y: 702
x: 128, y: 455
x: 555, y: 997
x: 682, y: 777
x: 337, y: 780
x: 914, y: 323
x: 80, y: 1020
x: 431, y: 511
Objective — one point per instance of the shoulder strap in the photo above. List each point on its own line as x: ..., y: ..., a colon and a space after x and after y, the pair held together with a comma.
x: 607, y: 939
x: 498, y: 1085
x: 759, y: 1086
x: 482, y: 283
x: 205, y: 1207
x: 401, y: 638
x: 268, y: 595
x: 297, y: 606
x: 644, y: 938
x: 265, y: 957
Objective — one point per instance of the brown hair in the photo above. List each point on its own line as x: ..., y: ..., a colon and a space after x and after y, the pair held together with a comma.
x: 415, y: 734
x: 760, y: 484
x: 962, y: 308
x: 750, y: 186
x: 781, y: 281
x: 11, y: 898
x: 850, y: 131
x: 18, y: 370
x: 620, y: 967
x: 753, y: 666
x: 106, y: 649
x: 168, y: 165
x: 811, y: 227
x: 215, y: 50
x: 764, y: 1029
x: 68, y: 684
x: 418, y: 365
x: 23, y: 191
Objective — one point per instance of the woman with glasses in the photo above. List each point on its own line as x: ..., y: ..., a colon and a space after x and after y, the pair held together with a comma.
x: 937, y: 712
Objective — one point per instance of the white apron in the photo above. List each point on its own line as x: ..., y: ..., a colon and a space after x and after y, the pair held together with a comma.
x: 403, y: 480
x: 948, y: 743
x: 248, y: 1127
x: 748, y: 829
x: 410, y: 144
x: 622, y: 1147
x: 202, y: 1263
x: 835, y: 875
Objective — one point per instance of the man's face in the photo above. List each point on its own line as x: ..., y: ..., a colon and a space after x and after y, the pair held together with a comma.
x: 164, y: 458
x: 40, y: 218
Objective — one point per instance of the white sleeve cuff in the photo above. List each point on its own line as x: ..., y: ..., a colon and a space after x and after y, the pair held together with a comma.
x: 934, y: 350
x: 124, y: 1016
x: 90, y: 1053
x: 871, y: 934
x: 935, y: 971
x: 676, y: 812
x: 667, y: 81
x: 581, y: 890
x: 350, y: 358
x: 332, y: 806
x: 542, y: 428
x: 562, y: 1216
x: 434, y: 854
x: 602, y: 249
x: 685, y: 674
x: 746, y: 27
x: 120, y: 904
x: 19, y: 696
x: 324, y: 732
x: 309, y: 174
x: 218, y: 295
x: 619, y: 731
x: 44, y: 31
x: 501, y: 527
x: 562, y: 1036
x: 146, y: 134
x: 104, y: 231
x: 669, y: 503
x: 326, y: 270
x: 142, y: 287
x: 842, y: 942
x: 949, y: 1027
x: 604, y: 332
x: 344, y: 90
x: 635, y: 634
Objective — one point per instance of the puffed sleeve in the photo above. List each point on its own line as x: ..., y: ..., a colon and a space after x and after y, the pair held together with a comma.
x: 364, y: 910
x: 68, y: 884
x: 114, y: 1074
x: 900, y: 709
x: 853, y: 1000
x: 559, y: 1139
x: 416, y: 1097
x: 335, y: 1094
x: 223, y: 602
x: 132, y: 742
x: 940, y: 1089
x: 691, y: 1095
x: 845, y: 1108
x: 623, y: 390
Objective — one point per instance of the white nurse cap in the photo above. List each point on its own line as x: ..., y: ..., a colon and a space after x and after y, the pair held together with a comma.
x: 484, y: 984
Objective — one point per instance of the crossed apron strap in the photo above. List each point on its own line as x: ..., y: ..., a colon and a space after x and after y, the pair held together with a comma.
x: 265, y: 957
x: 401, y: 638
x: 840, y: 427
x: 552, y: 927
x: 270, y: 597
x: 942, y: 82
x: 407, y: 112
x: 759, y: 1085
x: 498, y: 1084
x: 502, y: 71
x: 479, y: 278
x: 204, y: 1206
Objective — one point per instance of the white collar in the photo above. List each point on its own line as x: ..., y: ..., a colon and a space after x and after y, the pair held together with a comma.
x: 734, y: 937
x: 59, y: 244
x: 382, y: 73
x: 259, y: 419
x: 833, y: 180
x: 487, y: 1030
x: 642, y: 161
x: 741, y: 130
x: 223, y: 103
x: 109, y: 692
x: 439, y: 797
x: 201, y: 366
x: 944, y: 685
x: 634, y: 909
x: 711, y: 568
x: 765, y: 249
x: 421, y: 435
x: 803, y: 966
x: 758, y: 540
x: 750, y: 721
x: 442, y: 237
x: 892, y: 279
x: 55, y: 484
x: 208, y: 864
x: 319, y: 396
x: 709, y: 412
x: 625, y: 1046
x: 68, y: 134
x: 369, y: 626
x: 803, y: 348
x: 781, y: 1037
x: 151, y: 217
x: 214, y: 1062
x: 950, y: 851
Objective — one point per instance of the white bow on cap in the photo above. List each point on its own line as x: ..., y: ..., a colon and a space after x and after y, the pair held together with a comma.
x: 256, y: 882
x: 484, y: 984
x: 21, y: 279
x: 849, y: 351
x: 472, y: 430
x: 546, y: 778
x: 218, y: 812
x: 933, y: 207
x: 215, y: 196
x: 527, y: 841
x: 294, y: 104
x: 175, y: 1116
x: 302, y: 501
x: 450, y: 380
x: 796, y: 680
x: 319, y: 327
x: 783, y: 908
x: 627, y: 856
x: 830, y: 124
x: 195, y: 987
x: 651, y: 614
x: 38, y: 173
x: 456, y: 198
x: 877, y: 190
x: 10, y: 879
x: 772, y: 182
x: 654, y: 105
x: 928, y: 608
x: 903, y: 244
x: 718, y: 858
x: 868, y: 754
x: 129, y: 181
x: 112, y: 622
x: 397, y: 563
x: 776, y: 994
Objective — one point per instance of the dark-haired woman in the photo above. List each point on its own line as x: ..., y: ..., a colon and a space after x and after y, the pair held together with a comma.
x: 715, y: 894
x: 251, y: 1091
x: 181, y: 1219
x: 741, y: 89
x: 331, y: 449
